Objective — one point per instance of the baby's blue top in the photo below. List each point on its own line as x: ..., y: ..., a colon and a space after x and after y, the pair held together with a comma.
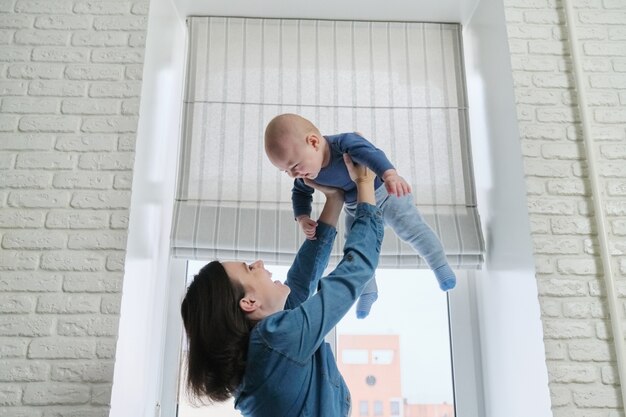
x: 335, y: 174
x: 291, y: 370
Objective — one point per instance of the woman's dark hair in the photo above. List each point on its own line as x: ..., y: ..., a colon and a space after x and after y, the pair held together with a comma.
x: 217, y: 334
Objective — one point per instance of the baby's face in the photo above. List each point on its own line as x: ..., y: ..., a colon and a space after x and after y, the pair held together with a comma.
x: 299, y: 160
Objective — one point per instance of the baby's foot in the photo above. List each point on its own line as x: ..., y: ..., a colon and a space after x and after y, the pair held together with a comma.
x: 445, y: 277
x: 364, y: 305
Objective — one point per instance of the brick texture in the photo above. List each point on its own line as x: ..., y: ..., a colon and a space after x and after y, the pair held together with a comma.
x: 580, y: 352
x: 70, y: 79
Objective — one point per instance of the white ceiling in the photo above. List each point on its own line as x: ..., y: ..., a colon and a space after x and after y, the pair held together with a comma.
x: 458, y: 11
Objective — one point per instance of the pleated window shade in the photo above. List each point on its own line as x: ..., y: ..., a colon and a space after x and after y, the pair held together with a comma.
x: 400, y: 84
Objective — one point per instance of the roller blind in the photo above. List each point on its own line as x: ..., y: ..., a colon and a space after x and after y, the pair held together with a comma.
x: 400, y: 84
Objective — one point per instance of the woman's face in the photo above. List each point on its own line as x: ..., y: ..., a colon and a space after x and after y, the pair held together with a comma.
x: 262, y: 295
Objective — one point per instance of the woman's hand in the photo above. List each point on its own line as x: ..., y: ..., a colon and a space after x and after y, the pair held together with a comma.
x: 329, y: 192
x: 363, y: 177
x: 332, y: 207
x: 358, y: 173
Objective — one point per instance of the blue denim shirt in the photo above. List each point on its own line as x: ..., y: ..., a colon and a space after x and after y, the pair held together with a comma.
x: 290, y: 370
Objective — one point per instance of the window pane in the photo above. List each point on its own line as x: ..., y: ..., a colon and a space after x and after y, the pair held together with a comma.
x: 395, y: 408
x: 382, y: 357
x: 407, y: 338
x: 355, y: 356
x: 378, y: 408
x: 364, y: 408
x: 399, y: 354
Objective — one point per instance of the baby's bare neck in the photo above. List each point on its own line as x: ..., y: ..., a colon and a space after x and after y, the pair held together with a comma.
x: 326, y: 151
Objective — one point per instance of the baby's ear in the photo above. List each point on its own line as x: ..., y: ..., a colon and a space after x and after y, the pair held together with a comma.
x: 313, y: 140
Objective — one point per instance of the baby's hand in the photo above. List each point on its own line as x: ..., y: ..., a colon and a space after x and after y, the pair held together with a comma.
x: 395, y: 184
x: 308, y: 226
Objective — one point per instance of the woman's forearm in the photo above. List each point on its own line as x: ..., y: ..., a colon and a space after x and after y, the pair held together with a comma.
x: 364, y: 180
x: 365, y: 190
x: 332, y: 209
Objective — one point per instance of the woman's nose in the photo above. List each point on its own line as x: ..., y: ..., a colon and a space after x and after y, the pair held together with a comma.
x: 258, y: 264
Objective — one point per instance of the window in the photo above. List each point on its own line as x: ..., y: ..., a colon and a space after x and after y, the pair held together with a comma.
x: 354, y: 356
x: 232, y: 204
x: 408, y: 337
x: 394, y: 406
x: 378, y: 408
x: 410, y: 309
x: 382, y: 357
x: 364, y: 408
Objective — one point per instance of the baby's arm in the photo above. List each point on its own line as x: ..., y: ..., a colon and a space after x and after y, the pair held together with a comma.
x: 302, y: 198
x: 364, y: 152
x: 308, y: 226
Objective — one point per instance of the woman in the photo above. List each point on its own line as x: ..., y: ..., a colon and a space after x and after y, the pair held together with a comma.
x: 262, y: 341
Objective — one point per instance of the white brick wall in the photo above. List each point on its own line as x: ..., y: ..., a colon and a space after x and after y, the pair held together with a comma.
x: 579, y: 350
x: 70, y: 79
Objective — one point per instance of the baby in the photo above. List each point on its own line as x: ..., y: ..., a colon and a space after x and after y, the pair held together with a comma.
x: 294, y: 145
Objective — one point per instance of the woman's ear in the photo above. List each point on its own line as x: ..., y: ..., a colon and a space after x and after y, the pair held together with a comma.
x: 248, y: 304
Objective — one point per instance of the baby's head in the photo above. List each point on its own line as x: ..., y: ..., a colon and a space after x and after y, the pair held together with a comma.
x: 294, y: 145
